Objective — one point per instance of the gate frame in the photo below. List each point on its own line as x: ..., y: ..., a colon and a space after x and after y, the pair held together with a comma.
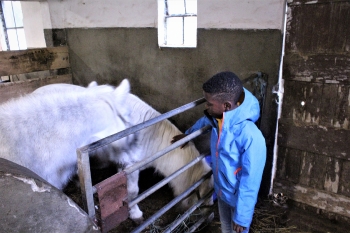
x: 112, y: 213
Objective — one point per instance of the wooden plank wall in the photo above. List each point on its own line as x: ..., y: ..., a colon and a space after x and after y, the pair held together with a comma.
x: 313, y: 164
x: 31, y: 61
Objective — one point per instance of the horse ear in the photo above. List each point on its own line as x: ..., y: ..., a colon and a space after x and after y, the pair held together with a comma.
x: 122, y: 90
x: 92, y: 84
x: 121, y: 94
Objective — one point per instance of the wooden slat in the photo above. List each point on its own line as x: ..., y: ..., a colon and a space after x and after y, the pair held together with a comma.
x: 310, y: 170
x: 313, y: 170
x: 317, y: 198
x: 15, y: 89
x: 344, y: 184
x: 319, y: 29
x: 32, y: 60
x: 318, y: 68
x: 297, y: 92
x: 315, y: 139
x: 325, y: 105
x: 308, y: 2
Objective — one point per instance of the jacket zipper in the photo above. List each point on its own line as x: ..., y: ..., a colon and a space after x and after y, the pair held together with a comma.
x: 217, y: 151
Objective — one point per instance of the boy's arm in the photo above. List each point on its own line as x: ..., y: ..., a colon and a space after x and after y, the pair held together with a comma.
x: 203, y: 121
x: 199, y: 124
x: 253, y: 163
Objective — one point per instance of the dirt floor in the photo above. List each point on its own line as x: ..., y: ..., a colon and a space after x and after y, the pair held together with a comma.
x: 268, y: 217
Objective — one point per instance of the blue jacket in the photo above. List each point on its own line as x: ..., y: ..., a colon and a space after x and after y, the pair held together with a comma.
x: 238, y: 157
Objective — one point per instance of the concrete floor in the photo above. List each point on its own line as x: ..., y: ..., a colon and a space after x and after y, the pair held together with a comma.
x: 29, y: 204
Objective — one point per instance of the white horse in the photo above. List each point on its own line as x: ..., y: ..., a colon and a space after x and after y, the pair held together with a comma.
x: 42, y: 130
x: 149, y: 141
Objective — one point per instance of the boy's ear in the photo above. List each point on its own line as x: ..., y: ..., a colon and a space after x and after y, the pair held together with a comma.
x: 227, y: 106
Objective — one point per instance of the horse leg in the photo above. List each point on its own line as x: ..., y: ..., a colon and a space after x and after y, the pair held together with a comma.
x: 133, y: 190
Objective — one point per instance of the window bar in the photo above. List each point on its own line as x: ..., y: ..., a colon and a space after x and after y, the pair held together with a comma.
x: 183, y: 24
x: 180, y: 15
x: 14, y: 20
x: 165, y: 22
x: 4, y: 27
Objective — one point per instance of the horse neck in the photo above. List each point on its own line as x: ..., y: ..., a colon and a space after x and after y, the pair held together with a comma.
x: 157, y: 137
x: 176, y: 159
x: 140, y: 110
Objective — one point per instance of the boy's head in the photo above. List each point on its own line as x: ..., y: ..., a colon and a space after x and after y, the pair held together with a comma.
x: 222, y: 92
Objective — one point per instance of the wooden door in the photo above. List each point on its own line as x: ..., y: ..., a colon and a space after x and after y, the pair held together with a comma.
x: 313, y: 163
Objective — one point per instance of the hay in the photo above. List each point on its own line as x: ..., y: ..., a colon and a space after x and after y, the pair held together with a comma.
x: 184, y: 226
x: 269, y: 218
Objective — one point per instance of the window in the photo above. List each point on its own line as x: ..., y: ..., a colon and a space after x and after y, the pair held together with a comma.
x: 12, y: 21
x: 12, y: 31
x: 177, y: 23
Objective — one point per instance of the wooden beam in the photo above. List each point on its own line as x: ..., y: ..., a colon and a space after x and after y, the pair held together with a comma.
x: 15, y: 89
x: 331, y: 202
x: 318, y: 68
x: 314, y: 138
x: 32, y: 60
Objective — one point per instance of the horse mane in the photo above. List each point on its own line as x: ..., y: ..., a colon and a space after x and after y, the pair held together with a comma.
x: 157, y: 137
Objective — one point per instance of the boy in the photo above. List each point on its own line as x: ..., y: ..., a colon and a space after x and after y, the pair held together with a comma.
x: 238, y: 150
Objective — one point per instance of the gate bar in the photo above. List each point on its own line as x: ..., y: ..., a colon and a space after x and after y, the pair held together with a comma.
x: 171, y: 204
x: 85, y: 182
x: 173, y: 146
x: 164, y: 181
x: 207, y: 218
x: 83, y: 152
x: 174, y: 224
x: 107, y: 140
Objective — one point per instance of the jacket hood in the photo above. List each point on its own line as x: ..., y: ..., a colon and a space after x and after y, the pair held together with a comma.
x: 248, y: 110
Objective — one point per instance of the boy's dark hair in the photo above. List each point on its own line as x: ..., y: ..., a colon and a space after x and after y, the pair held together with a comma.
x: 224, y: 86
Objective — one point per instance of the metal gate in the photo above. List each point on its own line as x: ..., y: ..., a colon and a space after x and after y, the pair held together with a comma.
x: 112, y: 192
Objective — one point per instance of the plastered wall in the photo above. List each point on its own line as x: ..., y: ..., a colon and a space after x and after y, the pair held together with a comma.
x: 117, y: 39
x: 233, y: 14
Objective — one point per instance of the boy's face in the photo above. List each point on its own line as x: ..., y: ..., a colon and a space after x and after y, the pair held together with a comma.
x: 214, y: 107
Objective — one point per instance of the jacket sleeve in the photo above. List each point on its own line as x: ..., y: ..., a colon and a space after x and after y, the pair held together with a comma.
x: 253, y: 163
x: 203, y: 121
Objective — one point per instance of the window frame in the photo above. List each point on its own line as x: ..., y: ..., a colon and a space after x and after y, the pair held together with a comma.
x: 20, y: 44
x: 163, y: 23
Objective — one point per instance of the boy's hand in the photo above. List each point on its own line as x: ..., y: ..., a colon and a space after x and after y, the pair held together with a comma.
x: 177, y: 138
x: 238, y: 228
